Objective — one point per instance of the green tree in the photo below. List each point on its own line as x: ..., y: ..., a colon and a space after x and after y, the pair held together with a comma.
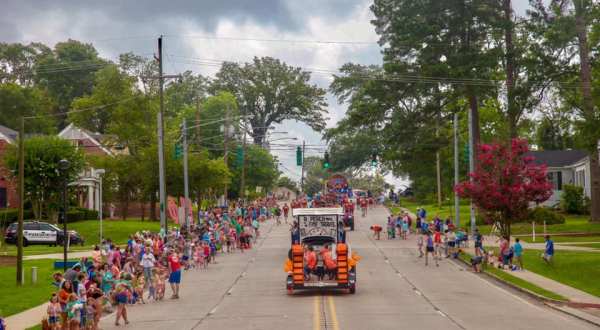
x: 110, y: 87
x: 17, y: 62
x: 315, y: 175
x: 68, y: 71
x: 286, y: 182
x: 271, y: 91
x: 17, y: 101
x: 43, y: 178
x: 261, y: 170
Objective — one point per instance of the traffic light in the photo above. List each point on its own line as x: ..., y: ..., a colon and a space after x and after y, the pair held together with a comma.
x: 326, y: 163
x: 239, y: 156
x: 299, y: 156
x: 374, y: 159
x: 178, y: 151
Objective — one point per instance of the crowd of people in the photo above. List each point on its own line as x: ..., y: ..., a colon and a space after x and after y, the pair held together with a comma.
x: 137, y: 272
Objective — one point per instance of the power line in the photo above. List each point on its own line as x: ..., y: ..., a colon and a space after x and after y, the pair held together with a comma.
x: 98, y: 107
x: 296, y: 41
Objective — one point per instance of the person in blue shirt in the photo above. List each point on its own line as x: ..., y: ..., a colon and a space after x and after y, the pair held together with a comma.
x: 518, y: 251
x: 549, y: 251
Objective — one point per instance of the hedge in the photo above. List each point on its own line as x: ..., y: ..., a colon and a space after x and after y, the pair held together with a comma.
x: 541, y: 214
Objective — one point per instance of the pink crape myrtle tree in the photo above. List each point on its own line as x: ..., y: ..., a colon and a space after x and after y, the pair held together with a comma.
x: 505, y: 183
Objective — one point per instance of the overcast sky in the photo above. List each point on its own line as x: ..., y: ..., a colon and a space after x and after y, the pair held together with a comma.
x: 119, y: 26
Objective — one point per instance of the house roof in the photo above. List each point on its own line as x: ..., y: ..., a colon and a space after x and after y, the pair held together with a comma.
x: 558, y: 158
x: 8, y: 134
x: 72, y: 132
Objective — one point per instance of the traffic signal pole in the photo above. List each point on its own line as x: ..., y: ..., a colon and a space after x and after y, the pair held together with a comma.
x: 186, y: 190
x: 302, y: 177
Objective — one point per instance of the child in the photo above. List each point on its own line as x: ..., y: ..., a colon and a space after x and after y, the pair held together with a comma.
x: 73, y: 309
x: 139, y: 282
x: 90, y: 314
x: 376, y: 231
x: 53, y: 311
x: 420, y: 245
x: 518, y: 251
x: 160, y: 284
x: 199, y: 256
x: 206, y: 249
x: 121, y: 297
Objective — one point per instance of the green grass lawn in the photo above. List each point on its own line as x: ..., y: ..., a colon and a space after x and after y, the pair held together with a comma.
x: 117, y: 230
x: 573, y: 268
x: 587, y: 245
x: 17, y: 299
x: 562, y: 239
x: 516, y: 281
x: 573, y: 223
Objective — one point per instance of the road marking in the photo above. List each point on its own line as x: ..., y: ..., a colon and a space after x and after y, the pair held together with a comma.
x: 334, y: 320
x: 317, y: 313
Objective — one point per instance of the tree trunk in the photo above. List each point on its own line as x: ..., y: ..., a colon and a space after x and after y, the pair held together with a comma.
x: 153, y: 207
x: 143, y: 209
x: 512, y: 112
x: 588, y: 106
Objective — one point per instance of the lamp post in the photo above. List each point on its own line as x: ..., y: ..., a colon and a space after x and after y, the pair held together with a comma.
x: 63, y: 166
x: 100, y: 172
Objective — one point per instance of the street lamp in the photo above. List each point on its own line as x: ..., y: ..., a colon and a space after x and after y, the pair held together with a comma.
x: 100, y: 172
x: 63, y: 166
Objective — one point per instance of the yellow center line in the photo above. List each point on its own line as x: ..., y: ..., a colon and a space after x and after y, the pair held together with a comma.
x: 333, y: 314
x: 317, y: 313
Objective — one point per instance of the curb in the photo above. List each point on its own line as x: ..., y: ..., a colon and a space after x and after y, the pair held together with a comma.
x: 552, y: 303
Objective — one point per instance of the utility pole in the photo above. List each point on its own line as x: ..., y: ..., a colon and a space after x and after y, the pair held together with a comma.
x: 161, y: 143
x: 302, y: 176
x: 225, y: 148
x: 21, y: 202
x: 186, y: 190
x: 471, y: 165
x: 243, y: 180
x: 456, y: 173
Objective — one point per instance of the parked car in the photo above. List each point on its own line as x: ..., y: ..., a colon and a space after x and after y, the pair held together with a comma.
x: 35, y: 232
x: 408, y: 192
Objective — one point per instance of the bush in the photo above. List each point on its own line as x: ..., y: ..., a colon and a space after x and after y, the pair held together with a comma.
x: 8, y: 216
x: 541, y: 214
x: 79, y: 213
x: 572, y: 199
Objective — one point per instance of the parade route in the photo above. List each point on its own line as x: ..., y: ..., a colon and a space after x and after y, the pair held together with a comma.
x: 395, y: 290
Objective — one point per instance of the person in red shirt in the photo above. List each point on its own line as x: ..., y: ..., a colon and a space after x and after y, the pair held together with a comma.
x: 363, y: 206
x: 437, y: 242
x: 330, y: 264
x: 310, y: 261
x: 174, y: 273
x: 286, y: 211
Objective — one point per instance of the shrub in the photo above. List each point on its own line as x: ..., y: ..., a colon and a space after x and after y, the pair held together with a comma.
x: 8, y: 216
x: 79, y: 213
x: 541, y: 214
x: 572, y: 199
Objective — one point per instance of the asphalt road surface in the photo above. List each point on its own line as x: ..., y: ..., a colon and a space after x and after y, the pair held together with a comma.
x: 395, y: 291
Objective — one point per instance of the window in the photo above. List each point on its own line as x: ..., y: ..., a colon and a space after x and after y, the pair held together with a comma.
x: 31, y: 226
x: 556, y: 179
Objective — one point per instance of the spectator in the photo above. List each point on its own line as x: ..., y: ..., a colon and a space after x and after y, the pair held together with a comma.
x: 549, y: 251
x: 518, y: 253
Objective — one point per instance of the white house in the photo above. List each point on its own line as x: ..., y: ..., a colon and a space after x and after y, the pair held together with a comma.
x: 89, y: 180
x: 565, y: 167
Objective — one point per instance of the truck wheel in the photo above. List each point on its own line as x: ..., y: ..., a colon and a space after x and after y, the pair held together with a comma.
x: 352, y: 290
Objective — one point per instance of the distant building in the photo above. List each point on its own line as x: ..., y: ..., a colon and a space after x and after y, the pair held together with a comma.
x: 8, y: 186
x: 565, y: 167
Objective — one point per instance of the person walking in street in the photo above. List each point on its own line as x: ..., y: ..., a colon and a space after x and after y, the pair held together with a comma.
x: 430, y: 249
x: 420, y: 244
x: 175, y: 273
x: 549, y: 251
x: 518, y: 251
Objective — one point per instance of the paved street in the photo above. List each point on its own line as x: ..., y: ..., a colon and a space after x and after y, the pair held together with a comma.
x: 395, y: 290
